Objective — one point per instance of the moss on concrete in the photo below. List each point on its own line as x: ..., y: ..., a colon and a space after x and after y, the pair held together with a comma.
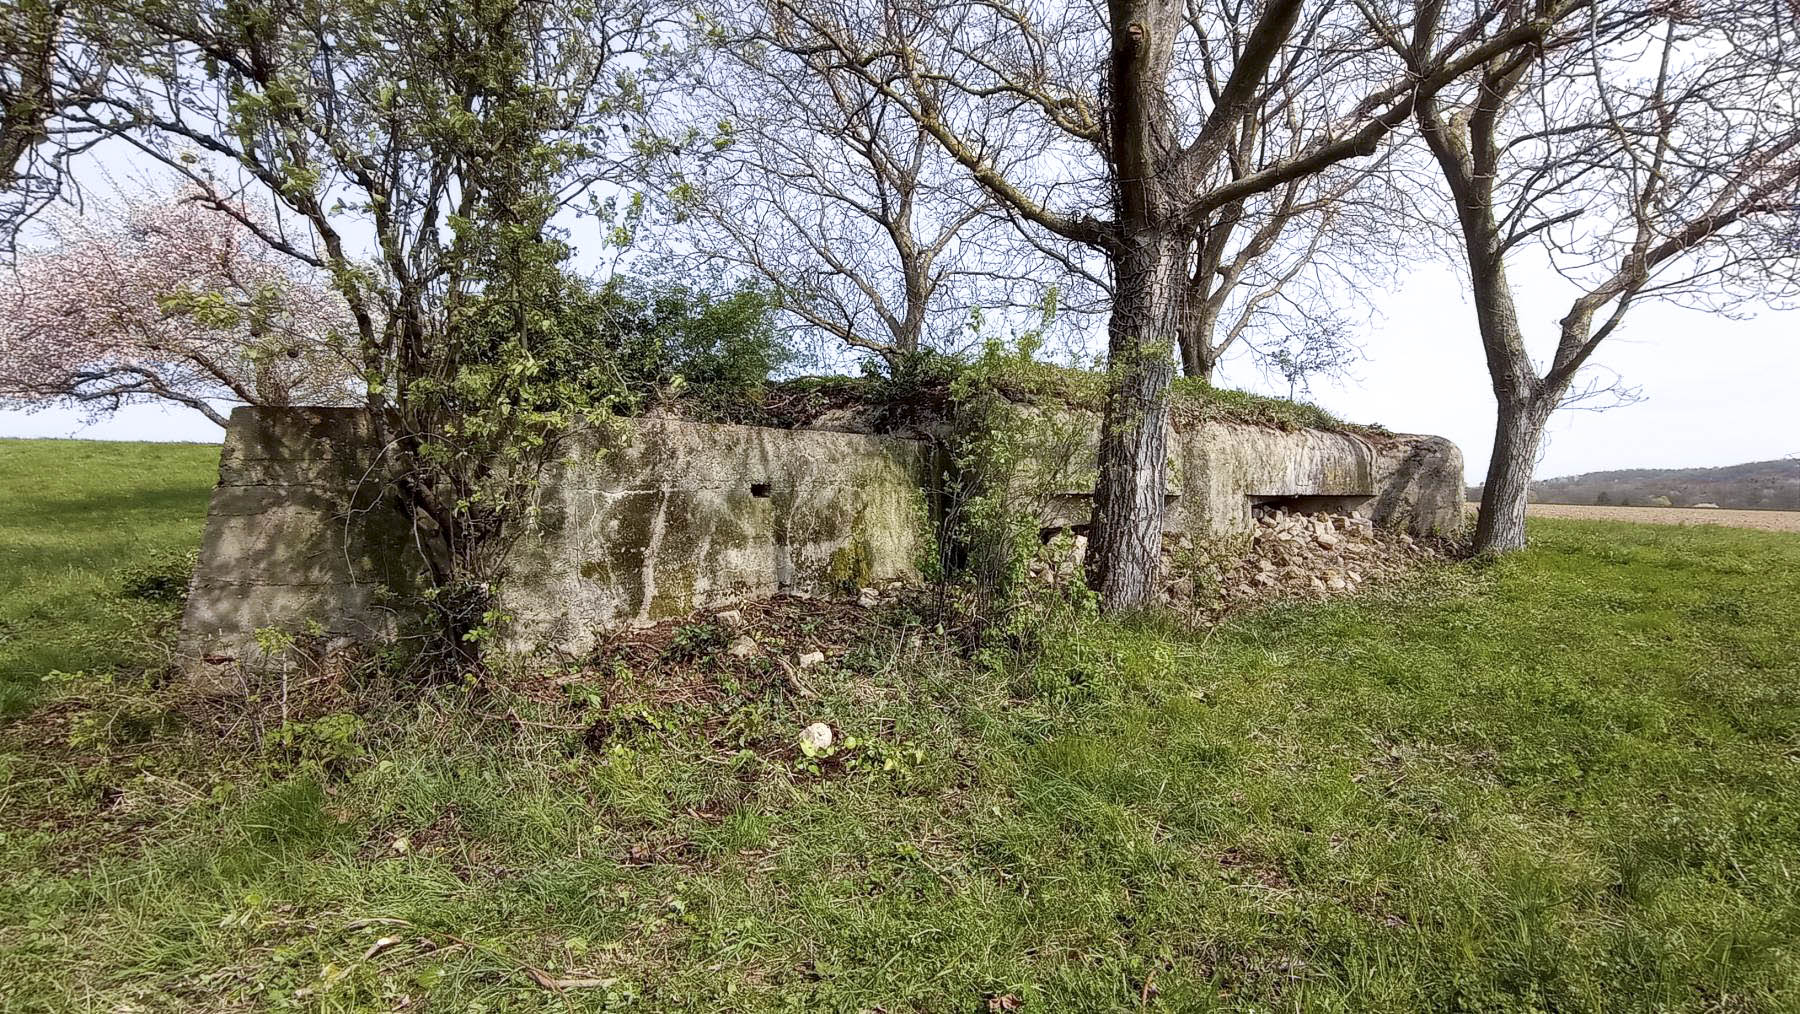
x: 851, y: 566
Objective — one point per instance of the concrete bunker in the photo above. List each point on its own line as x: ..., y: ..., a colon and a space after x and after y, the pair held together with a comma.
x: 654, y: 518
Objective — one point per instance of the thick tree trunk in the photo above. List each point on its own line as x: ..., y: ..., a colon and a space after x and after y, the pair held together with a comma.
x: 1149, y: 274
x: 1466, y: 151
x: 1130, y: 496
x: 1517, y: 434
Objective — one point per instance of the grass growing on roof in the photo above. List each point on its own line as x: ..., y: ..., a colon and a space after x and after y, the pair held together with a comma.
x: 923, y: 397
x: 1191, y: 400
x: 1194, y: 401
x: 1564, y: 781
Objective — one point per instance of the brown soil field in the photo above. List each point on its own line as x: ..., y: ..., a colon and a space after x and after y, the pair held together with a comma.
x: 1768, y: 521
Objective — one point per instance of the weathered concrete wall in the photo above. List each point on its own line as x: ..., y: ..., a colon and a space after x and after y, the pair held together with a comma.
x: 1219, y: 471
x: 1223, y: 468
x: 299, y: 533
x: 659, y: 517
x: 654, y: 520
x: 1403, y: 481
x: 1419, y: 485
x: 683, y: 515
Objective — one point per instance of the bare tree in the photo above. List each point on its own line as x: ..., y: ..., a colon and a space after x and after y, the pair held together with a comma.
x: 821, y: 186
x: 1271, y: 270
x: 1074, y: 119
x: 1300, y: 355
x: 1249, y: 267
x: 46, y: 67
x: 1649, y: 152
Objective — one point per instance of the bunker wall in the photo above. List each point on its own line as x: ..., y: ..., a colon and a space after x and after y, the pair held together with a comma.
x: 651, y: 519
x: 647, y: 520
x: 1219, y: 472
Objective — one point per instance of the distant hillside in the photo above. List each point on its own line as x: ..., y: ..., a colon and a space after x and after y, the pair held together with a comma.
x: 1756, y: 485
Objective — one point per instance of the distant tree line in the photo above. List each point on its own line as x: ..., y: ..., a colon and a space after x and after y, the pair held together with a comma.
x: 1755, y: 485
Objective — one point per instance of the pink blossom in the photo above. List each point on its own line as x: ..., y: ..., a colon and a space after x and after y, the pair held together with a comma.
x: 166, y: 298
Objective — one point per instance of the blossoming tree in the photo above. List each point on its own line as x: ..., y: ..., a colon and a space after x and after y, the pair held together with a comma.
x: 168, y: 298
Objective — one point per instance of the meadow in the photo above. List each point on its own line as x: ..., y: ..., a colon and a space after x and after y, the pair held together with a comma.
x: 80, y: 520
x: 1568, y: 780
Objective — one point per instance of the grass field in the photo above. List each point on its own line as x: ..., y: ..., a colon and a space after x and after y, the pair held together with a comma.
x: 80, y: 520
x: 1566, y: 781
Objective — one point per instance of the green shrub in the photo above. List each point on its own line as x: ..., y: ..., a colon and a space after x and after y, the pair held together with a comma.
x: 1008, y: 463
x: 645, y: 341
x: 326, y: 745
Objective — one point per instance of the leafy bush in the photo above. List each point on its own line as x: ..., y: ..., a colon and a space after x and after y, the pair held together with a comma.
x: 1009, y: 462
x: 716, y: 349
x: 326, y: 745
x: 638, y: 342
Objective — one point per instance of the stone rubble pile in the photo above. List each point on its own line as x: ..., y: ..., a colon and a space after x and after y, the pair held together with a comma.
x: 1289, y: 555
x: 1319, y: 556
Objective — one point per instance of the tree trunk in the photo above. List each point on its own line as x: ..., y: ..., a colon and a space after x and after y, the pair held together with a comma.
x: 1517, y: 434
x: 1130, y: 496
x: 1198, y: 321
x: 1149, y: 275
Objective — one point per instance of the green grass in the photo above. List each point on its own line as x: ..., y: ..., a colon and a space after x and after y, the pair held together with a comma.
x: 1192, y: 401
x: 1567, y: 781
x: 79, y: 520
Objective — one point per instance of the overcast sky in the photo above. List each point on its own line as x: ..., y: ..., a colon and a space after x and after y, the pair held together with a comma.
x: 1713, y: 390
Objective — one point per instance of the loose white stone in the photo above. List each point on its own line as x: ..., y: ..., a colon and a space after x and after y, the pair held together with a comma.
x: 815, y: 738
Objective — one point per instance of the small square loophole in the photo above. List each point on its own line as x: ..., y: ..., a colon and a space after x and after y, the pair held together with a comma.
x: 760, y: 490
